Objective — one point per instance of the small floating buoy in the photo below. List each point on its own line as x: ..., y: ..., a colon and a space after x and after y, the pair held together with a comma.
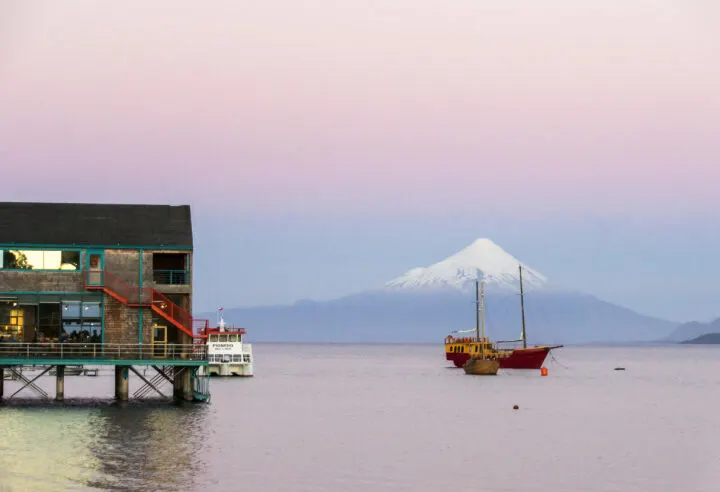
x: 515, y: 407
x: 543, y: 371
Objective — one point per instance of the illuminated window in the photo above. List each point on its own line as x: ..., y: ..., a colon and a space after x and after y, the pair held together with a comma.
x: 32, y: 259
x: 16, y: 317
x: 11, y: 323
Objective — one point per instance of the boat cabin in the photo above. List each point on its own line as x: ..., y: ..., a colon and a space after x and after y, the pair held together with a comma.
x: 226, y: 346
x: 228, y: 355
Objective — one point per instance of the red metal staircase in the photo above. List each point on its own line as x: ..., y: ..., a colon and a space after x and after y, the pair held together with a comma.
x: 146, y: 297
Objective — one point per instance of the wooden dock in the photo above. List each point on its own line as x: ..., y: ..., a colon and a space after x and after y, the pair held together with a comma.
x: 180, y: 364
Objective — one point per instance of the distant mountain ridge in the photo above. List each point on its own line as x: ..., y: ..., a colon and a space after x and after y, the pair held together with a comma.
x: 426, y: 303
x: 694, y: 329
x: 706, y: 339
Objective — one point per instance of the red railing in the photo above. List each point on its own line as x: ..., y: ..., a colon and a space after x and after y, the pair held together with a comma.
x: 120, y: 290
x: 200, y: 325
x: 145, y: 296
x: 172, y: 312
x: 228, y: 330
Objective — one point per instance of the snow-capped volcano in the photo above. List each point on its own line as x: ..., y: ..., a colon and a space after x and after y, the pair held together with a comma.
x: 483, y: 259
x: 426, y: 304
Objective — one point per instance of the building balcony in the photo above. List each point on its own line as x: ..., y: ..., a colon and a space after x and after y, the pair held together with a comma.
x: 171, y: 277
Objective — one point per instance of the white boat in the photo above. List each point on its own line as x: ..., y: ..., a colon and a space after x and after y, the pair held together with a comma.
x: 228, y: 354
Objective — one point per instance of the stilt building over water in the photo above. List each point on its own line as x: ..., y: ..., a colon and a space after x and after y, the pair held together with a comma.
x: 97, y: 284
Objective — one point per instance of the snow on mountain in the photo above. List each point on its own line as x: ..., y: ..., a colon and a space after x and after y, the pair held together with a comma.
x: 483, y: 259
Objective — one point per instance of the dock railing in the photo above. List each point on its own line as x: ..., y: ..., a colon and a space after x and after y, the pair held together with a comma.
x: 103, y: 351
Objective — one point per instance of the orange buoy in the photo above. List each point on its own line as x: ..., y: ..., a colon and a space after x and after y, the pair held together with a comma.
x: 543, y: 371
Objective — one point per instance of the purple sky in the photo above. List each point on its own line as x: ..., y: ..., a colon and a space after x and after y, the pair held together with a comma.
x: 424, y: 123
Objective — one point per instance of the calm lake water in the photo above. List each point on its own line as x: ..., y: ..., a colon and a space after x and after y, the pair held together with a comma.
x: 387, y: 418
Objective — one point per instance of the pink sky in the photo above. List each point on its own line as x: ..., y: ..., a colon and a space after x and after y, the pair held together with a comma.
x: 350, y: 141
x: 603, y: 107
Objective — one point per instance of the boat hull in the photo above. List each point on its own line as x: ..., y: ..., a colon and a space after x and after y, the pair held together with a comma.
x: 230, y: 370
x: 528, y: 358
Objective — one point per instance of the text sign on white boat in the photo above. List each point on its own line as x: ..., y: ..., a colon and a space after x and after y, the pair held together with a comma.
x: 223, y: 348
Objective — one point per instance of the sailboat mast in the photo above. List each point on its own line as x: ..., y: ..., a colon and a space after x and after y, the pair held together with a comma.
x: 522, y: 309
x: 482, y: 309
x: 477, y: 311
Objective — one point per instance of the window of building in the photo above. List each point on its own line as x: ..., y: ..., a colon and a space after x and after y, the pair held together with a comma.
x: 12, y: 322
x: 50, y: 320
x: 35, y: 259
x: 91, y: 310
x: 16, y: 317
x: 71, y: 309
x: 81, y: 322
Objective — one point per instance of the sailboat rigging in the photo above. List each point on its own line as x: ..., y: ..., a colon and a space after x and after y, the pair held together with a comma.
x: 460, y: 350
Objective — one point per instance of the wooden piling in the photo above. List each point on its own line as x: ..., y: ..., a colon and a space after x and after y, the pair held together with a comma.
x: 59, y: 383
x: 122, y: 386
x: 182, y: 384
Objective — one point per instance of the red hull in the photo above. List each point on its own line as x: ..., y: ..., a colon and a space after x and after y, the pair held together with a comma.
x: 529, y: 358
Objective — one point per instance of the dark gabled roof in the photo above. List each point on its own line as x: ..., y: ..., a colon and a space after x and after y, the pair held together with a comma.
x: 95, y: 224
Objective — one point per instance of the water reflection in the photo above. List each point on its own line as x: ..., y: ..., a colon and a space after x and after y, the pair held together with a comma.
x: 134, y: 447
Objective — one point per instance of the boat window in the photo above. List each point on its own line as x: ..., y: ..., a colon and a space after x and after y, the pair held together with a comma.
x: 233, y: 338
x: 213, y: 338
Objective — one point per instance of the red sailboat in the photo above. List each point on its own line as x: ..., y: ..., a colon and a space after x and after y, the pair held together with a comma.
x: 459, y: 350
